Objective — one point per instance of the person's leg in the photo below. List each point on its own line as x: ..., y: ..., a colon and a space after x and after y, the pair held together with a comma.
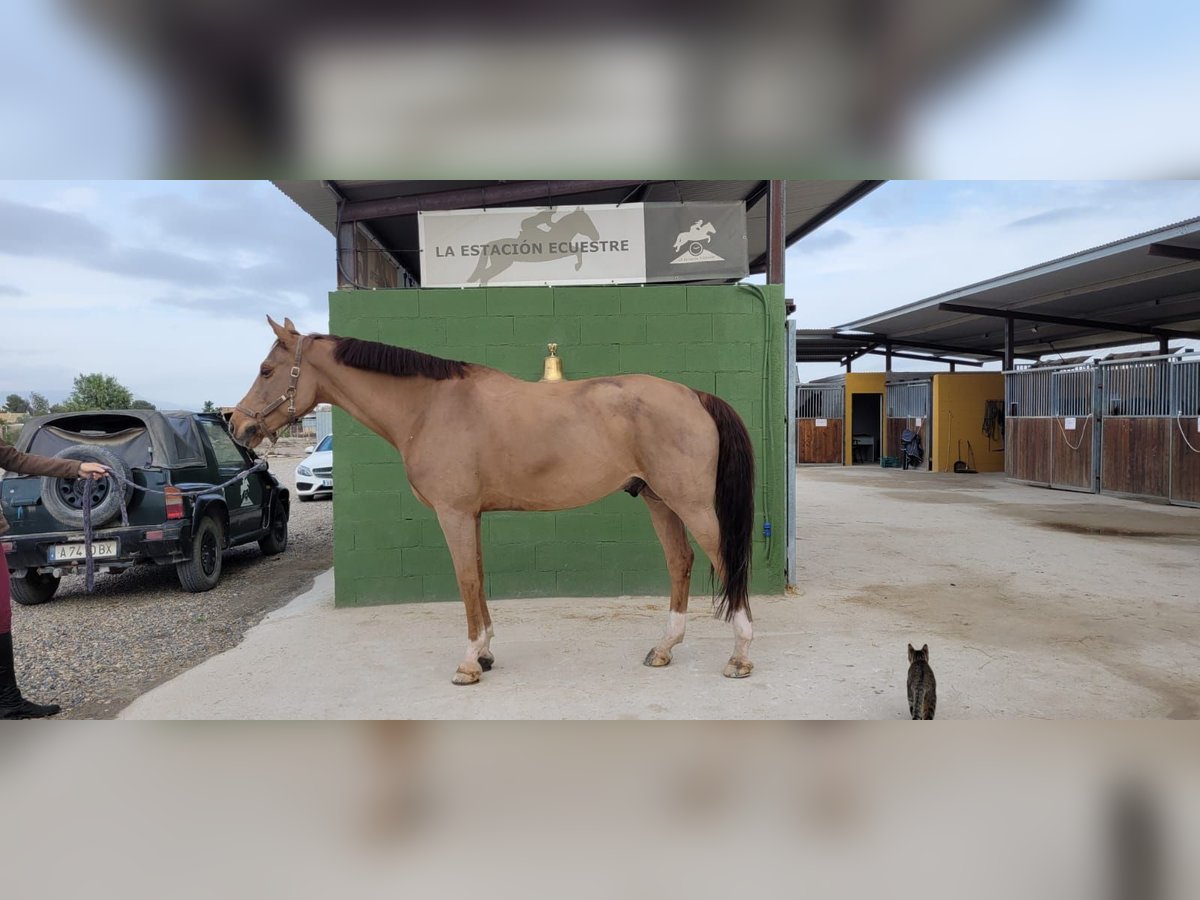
x: 12, y: 704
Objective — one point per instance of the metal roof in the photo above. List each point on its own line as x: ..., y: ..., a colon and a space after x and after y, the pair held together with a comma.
x: 831, y: 345
x: 389, y: 208
x: 1134, y: 290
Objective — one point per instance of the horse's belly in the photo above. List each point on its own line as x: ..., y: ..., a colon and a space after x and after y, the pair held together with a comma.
x: 556, y: 488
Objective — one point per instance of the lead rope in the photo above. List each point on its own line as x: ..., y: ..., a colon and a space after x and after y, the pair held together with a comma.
x: 115, y: 478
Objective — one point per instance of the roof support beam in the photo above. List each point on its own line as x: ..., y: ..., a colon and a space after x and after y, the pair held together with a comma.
x: 916, y: 345
x: 1023, y: 316
x: 1171, y: 251
x: 490, y: 195
x: 895, y: 354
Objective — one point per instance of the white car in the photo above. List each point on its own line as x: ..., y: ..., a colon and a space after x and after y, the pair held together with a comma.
x: 314, y: 476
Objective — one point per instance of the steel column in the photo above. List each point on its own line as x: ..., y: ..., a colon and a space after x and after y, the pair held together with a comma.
x: 776, y: 231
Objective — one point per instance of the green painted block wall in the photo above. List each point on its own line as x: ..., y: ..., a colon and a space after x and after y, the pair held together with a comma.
x: 388, y: 547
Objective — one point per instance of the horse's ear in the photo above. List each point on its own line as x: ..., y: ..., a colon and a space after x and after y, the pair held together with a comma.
x: 281, y: 331
x: 287, y: 323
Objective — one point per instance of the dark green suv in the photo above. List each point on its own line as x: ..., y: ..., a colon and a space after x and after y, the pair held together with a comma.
x: 188, y: 524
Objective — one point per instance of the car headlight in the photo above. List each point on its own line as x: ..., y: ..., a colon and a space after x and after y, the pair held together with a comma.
x: 304, y: 470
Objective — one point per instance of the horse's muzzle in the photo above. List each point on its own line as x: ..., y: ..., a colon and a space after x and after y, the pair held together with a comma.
x: 248, y: 435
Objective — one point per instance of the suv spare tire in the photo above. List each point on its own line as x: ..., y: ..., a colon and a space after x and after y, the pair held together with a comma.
x: 64, y: 496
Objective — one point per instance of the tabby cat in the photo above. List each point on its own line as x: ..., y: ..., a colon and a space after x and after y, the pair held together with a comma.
x: 922, y: 687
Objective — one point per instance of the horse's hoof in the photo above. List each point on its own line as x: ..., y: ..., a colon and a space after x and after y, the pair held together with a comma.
x: 738, y: 668
x: 656, y: 659
x: 466, y: 675
x: 486, y: 663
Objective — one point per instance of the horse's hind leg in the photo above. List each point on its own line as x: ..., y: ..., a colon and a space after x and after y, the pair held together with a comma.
x: 463, y: 539
x: 673, y: 537
x: 701, y: 521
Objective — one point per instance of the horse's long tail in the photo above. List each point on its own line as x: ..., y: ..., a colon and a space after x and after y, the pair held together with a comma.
x: 734, y: 503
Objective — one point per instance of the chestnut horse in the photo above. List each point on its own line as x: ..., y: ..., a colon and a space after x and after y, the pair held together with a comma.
x: 475, y: 440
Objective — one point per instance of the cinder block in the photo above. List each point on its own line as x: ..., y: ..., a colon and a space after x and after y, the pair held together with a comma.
x: 625, y: 329
x: 589, y: 361
x: 427, y: 335
x: 521, y: 527
x: 558, y: 556
x: 454, y: 302
x: 522, y: 362
x: 738, y: 328
x: 590, y: 583
x: 654, y: 358
x: 373, y: 563
x: 520, y: 301
x: 426, y: 561
x: 583, y: 527
x: 720, y: 299
x: 723, y: 357
x: 535, y: 332
x: 587, y: 301
x: 508, y: 558
x: 388, y: 535
x: 394, y: 589
x: 658, y: 300
x: 365, y: 329
x: 485, y: 331
x: 393, y: 304
x: 690, y: 328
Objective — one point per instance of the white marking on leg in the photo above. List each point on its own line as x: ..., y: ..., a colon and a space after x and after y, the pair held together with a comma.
x: 477, y: 647
x: 743, y: 634
x: 676, y: 624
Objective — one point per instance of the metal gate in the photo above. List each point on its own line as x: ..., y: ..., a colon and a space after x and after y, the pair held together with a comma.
x: 1050, y: 426
x: 909, y: 407
x: 1135, y: 404
x: 1184, y: 485
x: 820, y: 423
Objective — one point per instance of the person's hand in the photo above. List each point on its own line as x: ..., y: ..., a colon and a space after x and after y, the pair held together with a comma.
x: 92, y: 470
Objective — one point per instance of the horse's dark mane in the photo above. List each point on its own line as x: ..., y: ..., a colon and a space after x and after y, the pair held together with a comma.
x: 390, y: 360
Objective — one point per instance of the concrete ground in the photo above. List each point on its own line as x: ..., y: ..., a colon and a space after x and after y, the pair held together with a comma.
x: 1034, y: 603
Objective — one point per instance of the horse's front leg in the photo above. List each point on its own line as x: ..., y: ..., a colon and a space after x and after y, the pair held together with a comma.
x: 462, y: 534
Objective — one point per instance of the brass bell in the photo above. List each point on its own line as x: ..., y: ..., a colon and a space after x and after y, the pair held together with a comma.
x: 552, y: 365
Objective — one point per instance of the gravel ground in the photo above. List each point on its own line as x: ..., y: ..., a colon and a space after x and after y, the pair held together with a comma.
x: 95, y: 653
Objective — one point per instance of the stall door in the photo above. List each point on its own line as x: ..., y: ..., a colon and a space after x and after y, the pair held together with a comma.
x: 820, y: 417
x: 1185, y: 431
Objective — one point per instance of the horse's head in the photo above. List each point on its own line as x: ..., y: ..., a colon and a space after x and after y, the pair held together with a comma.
x: 284, y: 390
x: 579, y: 222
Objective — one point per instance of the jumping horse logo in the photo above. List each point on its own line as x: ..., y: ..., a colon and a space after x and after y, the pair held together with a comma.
x: 694, y: 239
x: 548, y: 239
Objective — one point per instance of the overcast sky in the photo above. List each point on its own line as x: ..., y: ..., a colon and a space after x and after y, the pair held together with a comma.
x: 164, y: 285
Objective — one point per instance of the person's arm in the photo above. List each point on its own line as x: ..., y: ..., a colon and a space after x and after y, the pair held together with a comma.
x: 13, y: 460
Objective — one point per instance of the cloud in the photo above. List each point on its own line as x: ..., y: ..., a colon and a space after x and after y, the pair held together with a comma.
x: 824, y: 240
x: 1052, y: 216
x: 236, y: 238
x: 8, y: 290
x: 236, y: 305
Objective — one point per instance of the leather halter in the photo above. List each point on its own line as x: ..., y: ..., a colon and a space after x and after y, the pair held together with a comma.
x: 289, y: 397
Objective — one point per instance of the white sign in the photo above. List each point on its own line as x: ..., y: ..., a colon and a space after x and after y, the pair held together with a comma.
x: 1069, y: 424
x: 624, y: 244
x: 920, y: 421
x: 821, y: 423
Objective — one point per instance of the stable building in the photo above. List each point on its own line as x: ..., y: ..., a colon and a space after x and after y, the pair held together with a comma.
x: 1126, y: 424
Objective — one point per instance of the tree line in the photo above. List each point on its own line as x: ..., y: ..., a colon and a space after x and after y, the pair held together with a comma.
x: 94, y: 391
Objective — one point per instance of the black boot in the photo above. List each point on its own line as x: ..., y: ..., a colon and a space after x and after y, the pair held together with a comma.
x: 12, y: 704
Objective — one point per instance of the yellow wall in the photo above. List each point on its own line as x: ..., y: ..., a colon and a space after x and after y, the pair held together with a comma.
x: 864, y: 383
x: 959, y: 402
